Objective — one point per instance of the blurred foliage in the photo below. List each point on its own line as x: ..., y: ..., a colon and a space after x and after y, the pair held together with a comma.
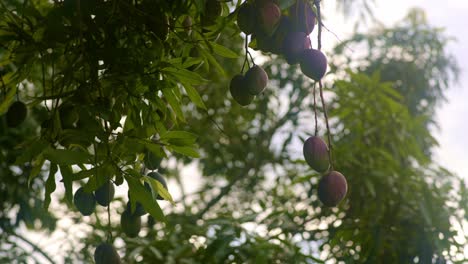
x: 136, y: 89
x: 421, y: 69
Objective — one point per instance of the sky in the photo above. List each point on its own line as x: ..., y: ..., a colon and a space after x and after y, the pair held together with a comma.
x: 452, y: 116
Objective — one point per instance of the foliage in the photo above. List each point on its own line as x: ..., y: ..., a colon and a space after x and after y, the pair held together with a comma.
x: 136, y: 89
x: 421, y: 69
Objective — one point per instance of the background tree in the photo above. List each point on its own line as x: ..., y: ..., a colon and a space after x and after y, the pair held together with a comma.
x: 137, y: 79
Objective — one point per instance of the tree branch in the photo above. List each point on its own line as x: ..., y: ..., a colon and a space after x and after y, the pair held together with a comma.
x: 34, y: 246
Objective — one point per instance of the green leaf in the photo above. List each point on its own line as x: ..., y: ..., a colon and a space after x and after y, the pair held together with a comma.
x: 370, y: 187
x: 140, y: 194
x: 156, y: 149
x: 101, y: 175
x: 302, y: 179
x: 213, y: 62
x: 66, y: 157
x: 190, y: 61
x: 155, y: 252
x: 36, y: 168
x: 185, y: 150
x: 184, y: 75
x: 83, y: 174
x: 159, y: 188
x: 174, y: 102
x: 194, y: 95
x: 179, y: 134
x: 425, y: 213
x: 31, y: 149
x: 67, y: 178
x: 133, y: 173
x: 50, y: 185
x: 7, y: 101
x: 223, y: 51
x: 7, y: 78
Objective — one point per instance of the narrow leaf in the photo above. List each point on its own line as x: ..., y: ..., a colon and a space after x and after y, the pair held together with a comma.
x: 157, y: 186
x: 173, y: 102
x: 212, y: 61
x: 7, y: 101
x: 184, y: 75
x: 66, y: 157
x: 185, y: 150
x: 194, y: 95
x: 223, y: 51
x: 140, y: 194
x: 179, y: 134
x: 67, y: 178
x: 31, y: 149
x: 101, y: 175
x: 36, y: 168
x: 50, y: 185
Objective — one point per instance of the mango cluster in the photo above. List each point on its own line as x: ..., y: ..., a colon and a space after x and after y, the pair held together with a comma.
x: 284, y: 32
x: 332, y: 187
x: 85, y: 201
x: 244, y: 88
x: 130, y: 219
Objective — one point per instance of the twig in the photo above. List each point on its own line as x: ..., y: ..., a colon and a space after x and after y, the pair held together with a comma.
x: 216, y: 124
x: 43, y: 80
x: 34, y: 246
x: 319, y: 35
x: 315, y: 110
x: 109, y: 226
x: 225, y: 190
x: 328, y: 126
x: 319, y: 39
x: 246, y: 60
x: 336, y: 36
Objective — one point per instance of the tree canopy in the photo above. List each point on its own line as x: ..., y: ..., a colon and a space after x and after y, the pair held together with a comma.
x: 126, y: 94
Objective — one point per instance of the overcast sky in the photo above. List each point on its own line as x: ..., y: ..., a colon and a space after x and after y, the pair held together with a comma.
x: 453, y: 115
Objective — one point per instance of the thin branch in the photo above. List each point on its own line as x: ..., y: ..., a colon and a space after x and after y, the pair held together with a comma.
x: 225, y: 190
x: 315, y: 110
x: 246, y: 60
x: 109, y: 226
x: 319, y: 37
x: 330, y: 156
x: 336, y: 36
x: 34, y: 246
x: 216, y: 124
x: 43, y: 80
